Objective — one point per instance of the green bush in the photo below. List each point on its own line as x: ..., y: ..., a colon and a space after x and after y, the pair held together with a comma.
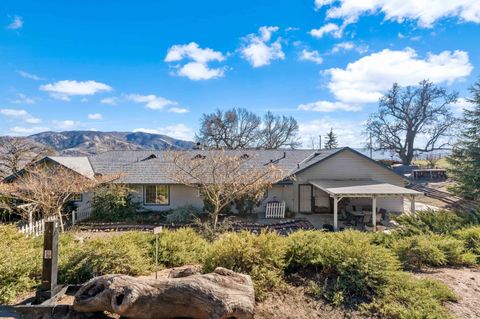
x: 113, y: 203
x: 20, y: 263
x: 260, y: 256
x: 183, y: 215
x: 181, y: 247
x: 129, y: 253
x: 351, y: 268
x: 432, y: 250
x: 430, y: 222
x: 405, y: 297
x: 471, y: 238
x: 417, y: 252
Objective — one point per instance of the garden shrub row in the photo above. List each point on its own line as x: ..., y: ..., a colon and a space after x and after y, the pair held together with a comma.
x: 348, y: 268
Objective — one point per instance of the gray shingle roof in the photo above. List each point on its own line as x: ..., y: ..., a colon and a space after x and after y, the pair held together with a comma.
x: 151, y: 167
x: 145, y: 167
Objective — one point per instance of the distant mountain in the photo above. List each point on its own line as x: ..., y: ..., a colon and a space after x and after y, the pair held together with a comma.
x: 93, y: 142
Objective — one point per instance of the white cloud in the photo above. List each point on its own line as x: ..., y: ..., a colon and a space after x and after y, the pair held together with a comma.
x: 366, y: 79
x: 327, y: 106
x: 17, y: 23
x: 30, y: 76
x: 313, y: 56
x: 62, y: 90
x: 178, y: 131
x: 348, y: 132
x: 258, y: 50
x: 23, y: 99
x: 198, y: 71
x: 194, y: 52
x: 20, y: 130
x: 66, y: 124
x: 348, y: 46
x: 95, y: 116
x: 109, y: 100
x: 330, y: 28
x: 462, y: 104
x: 197, y: 68
x: 21, y: 115
x: 179, y: 110
x: 426, y: 13
x: 151, y: 101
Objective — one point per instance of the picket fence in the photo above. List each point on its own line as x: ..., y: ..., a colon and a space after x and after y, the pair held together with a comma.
x: 37, y: 228
x: 81, y: 213
x: 275, y: 210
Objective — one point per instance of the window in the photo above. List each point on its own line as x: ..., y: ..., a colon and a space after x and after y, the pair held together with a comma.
x: 157, y: 195
x: 76, y: 197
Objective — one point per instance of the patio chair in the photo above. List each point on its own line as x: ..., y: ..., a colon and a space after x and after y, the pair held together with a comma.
x: 367, y: 219
x: 378, y: 218
x: 347, y: 217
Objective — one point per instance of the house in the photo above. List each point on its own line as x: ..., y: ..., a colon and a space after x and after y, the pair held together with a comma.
x: 322, y: 181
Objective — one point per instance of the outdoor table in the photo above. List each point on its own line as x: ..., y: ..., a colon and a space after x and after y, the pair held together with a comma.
x: 357, y: 216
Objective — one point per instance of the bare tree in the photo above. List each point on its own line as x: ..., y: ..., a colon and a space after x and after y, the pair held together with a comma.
x: 232, y: 129
x: 49, y: 188
x: 240, y: 129
x: 222, y: 177
x: 17, y: 152
x: 278, y: 131
x: 405, y: 114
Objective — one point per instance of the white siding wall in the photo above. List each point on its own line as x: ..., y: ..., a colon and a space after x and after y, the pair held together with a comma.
x: 86, y: 200
x: 348, y: 165
x: 180, y: 195
x: 278, y: 192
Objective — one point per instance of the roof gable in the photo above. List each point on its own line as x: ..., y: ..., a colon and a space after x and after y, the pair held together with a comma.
x: 334, y: 152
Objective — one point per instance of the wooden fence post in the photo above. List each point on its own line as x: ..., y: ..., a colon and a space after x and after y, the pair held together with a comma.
x: 49, y: 285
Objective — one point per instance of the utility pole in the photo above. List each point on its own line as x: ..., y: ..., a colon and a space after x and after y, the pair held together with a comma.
x: 319, y: 142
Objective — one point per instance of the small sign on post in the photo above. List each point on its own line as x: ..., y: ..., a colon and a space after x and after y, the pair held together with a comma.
x: 156, y: 232
x: 49, y: 286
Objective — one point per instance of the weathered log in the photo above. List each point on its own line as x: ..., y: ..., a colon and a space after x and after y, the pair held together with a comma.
x: 219, y: 295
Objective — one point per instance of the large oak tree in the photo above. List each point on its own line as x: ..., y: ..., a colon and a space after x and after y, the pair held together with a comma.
x: 412, y: 120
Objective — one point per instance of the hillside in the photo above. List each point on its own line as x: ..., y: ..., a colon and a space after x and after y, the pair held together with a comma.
x: 92, y: 142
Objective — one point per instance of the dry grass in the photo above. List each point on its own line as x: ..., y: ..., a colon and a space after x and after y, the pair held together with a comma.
x: 465, y: 282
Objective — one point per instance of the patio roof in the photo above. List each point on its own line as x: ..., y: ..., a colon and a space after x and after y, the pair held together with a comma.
x: 361, y: 188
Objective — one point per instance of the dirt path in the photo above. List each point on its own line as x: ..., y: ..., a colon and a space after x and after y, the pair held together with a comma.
x: 296, y: 304
x: 465, y: 282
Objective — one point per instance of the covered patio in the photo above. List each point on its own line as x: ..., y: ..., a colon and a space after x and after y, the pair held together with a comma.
x: 339, y: 189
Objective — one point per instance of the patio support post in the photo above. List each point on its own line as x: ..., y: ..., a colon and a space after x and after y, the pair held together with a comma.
x: 412, y: 204
x: 374, y: 212
x: 335, y: 213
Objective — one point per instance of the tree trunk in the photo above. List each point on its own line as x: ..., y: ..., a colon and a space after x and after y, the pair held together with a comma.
x: 60, y: 220
x: 219, y: 295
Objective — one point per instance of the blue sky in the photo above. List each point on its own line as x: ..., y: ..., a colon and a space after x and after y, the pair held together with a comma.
x: 157, y: 66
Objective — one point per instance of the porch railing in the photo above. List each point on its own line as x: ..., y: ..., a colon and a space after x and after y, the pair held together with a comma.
x: 275, y: 210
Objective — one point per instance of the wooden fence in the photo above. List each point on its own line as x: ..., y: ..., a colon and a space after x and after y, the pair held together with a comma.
x: 275, y: 210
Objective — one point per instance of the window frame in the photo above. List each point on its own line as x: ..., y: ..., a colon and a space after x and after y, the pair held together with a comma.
x: 155, y: 185
x: 77, y: 200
